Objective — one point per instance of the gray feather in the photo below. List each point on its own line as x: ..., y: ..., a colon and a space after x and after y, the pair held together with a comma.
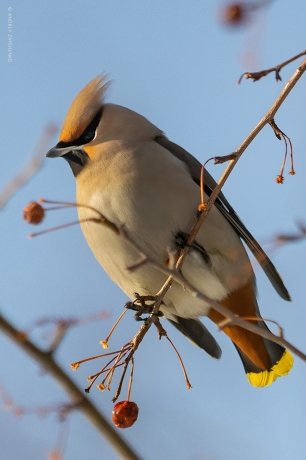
x: 195, y: 330
x: 194, y: 166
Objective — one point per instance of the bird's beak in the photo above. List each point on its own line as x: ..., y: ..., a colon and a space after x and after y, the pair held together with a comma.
x: 76, y: 157
x: 60, y: 151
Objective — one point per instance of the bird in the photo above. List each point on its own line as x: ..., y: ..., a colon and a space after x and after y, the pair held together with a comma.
x: 128, y: 170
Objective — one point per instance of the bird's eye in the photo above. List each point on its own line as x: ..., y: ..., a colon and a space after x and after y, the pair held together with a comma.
x: 90, y: 132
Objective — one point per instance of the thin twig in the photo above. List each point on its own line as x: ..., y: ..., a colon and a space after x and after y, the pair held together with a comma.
x: 126, y: 364
x: 260, y: 125
x: 62, y: 226
x: 67, y: 204
x: 76, y: 364
x: 262, y: 73
x: 104, y: 342
x: 131, y: 379
x: 229, y: 322
x: 93, y: 378
x: 188, y: 384
x: 109, y: 377
x: 283, y: 136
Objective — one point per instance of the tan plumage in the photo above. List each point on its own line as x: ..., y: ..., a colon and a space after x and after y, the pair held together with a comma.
x: 128, y: 170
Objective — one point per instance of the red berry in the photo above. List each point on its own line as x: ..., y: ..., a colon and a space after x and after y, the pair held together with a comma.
x: 234, y: 14
x: 124, y: 414
x: 33, y: 213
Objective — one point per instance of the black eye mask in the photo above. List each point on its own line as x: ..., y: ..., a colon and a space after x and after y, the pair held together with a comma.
x: 87, y: 135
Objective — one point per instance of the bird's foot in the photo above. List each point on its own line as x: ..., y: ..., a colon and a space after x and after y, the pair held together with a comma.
x: 142, y: 304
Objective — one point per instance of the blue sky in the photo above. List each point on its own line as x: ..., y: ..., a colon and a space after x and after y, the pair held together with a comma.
x: 174, y: 63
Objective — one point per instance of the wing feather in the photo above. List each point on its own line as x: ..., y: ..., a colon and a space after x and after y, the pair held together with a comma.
x: 194, y: 166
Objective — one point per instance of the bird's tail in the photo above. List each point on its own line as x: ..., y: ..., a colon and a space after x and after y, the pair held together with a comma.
x: 280, y: 364
x: 264, y: 361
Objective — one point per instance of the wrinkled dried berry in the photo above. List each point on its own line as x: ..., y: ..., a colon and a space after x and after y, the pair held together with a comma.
x: 34, y: 213
x: 124, y: 414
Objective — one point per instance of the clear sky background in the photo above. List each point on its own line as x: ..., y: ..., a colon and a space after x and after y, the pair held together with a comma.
x: 176, y: 64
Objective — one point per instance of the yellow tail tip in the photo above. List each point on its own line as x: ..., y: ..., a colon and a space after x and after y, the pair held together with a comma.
x: 265, y: 378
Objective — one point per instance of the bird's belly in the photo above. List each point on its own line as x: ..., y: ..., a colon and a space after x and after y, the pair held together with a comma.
x: 119, y: 258
x: 127, y: 268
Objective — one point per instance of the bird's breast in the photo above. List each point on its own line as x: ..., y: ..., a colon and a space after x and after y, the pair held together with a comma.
x: 148, y: 193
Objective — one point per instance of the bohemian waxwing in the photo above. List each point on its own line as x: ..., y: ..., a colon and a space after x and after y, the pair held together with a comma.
x: 127, y: 169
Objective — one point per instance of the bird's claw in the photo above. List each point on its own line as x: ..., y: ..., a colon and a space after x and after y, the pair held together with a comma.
x: 142, y: 304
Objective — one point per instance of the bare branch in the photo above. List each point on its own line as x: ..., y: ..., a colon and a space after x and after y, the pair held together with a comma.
x: 276, y: 69
x: 285, y: 238
x: 261, y: 124
x: 30, y: 169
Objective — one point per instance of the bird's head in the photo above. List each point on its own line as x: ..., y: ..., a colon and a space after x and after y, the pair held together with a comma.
x: 90, y: 122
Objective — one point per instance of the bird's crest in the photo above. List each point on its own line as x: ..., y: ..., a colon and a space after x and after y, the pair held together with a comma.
x: 83, y: 108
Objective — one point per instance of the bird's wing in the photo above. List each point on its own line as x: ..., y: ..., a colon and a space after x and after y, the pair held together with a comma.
x: 194, y: 166
x: 195, y: 330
